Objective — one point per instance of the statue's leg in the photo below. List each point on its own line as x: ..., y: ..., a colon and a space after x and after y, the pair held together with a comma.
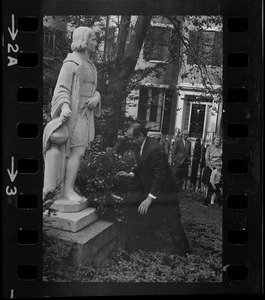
x: 72, y: 167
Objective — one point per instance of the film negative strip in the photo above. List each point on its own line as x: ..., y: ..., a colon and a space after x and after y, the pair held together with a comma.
x: 22, y: 151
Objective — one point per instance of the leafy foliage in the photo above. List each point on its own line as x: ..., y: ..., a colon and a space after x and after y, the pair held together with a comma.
x: 96, y: 178
x: 55, y: 251
x: 46, y: 115
x: 48, y: 199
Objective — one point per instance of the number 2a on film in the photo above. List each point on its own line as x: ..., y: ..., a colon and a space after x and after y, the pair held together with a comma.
x: 12, y: 48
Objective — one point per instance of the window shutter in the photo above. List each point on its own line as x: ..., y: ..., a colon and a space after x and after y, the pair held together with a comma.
x: 186, y: 115
x: 174, y: 45
x: 167, y: 111
x: 143, y: 103
x: 192, y: 47
x: 217, y: 51
x: 148, y: 44
x: 166, y: 34
x: 157, y: 38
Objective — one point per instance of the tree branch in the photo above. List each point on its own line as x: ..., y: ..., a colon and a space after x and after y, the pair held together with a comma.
x: 185, y: 42
x: 134, y: 47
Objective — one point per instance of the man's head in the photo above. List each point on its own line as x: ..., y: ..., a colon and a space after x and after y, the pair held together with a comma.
x: 84, y: 38
x: 136, y: 133
x: 185, y: 134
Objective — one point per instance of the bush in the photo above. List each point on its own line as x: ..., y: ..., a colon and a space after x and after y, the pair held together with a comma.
x: 48, y: 199
x: 55, y: 251
x: 46, y: 115
x: 97, y: 180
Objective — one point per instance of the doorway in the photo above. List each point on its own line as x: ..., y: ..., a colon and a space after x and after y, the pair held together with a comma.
x: 197, y: 120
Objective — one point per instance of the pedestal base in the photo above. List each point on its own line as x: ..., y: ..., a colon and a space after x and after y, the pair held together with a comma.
x: 64, y: 205
x: 73, y: 222
x: 89, y: 246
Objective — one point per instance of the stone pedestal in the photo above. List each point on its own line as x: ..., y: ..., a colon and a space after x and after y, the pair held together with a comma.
x: 66, y: 206
x: 90, y: 239
x: 73, y: 222
x: 89, y: 246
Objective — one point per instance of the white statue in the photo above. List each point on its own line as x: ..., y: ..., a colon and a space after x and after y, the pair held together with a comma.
x: 74, y: 104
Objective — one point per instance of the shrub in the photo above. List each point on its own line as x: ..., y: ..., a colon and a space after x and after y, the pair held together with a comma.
x: 97, y: 180
x: 46, y: 115
x: 48, y: 199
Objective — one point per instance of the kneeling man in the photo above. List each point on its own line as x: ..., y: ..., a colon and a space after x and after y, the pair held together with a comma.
x: 156, y: 203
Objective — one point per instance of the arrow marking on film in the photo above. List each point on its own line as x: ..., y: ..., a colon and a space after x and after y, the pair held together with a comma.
x: 14, y: 32
x: 11, y: 174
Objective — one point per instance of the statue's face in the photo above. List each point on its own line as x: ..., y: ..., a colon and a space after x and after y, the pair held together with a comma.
x: 92, y: 43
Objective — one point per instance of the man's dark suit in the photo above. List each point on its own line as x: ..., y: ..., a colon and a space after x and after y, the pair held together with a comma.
x: 181, y: 158
x: 180, y: 152
x: 155, y: 177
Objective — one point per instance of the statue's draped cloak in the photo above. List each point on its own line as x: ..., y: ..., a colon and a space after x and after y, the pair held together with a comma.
x: 77, y: 82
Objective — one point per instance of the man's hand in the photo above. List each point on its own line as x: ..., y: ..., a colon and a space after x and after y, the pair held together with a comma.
x: 143, y: 207
x: 123, y: 173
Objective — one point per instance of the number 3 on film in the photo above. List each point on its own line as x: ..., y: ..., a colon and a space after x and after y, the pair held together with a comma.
x: 12, y: 48
x: 11, y: 191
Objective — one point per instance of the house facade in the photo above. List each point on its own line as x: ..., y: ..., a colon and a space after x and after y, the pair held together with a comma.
x: 185, y: 95
x: 199, y: 87
x: 153, y: 101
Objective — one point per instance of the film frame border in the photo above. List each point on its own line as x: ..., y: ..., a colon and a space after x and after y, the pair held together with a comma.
x: 17, y: 149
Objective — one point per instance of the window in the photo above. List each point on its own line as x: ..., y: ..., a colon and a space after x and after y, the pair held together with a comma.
x: 150, y: 107
x: 186, y: 115
x: 143, y: 103
x: 157, y: 43
x: 197, y: 120
x: 205, y: 48
x: 154, y: 110
x: 155, y: 107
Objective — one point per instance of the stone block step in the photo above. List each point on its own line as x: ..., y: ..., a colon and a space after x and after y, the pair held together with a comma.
x: 91, y: 245
x: 73, y: 221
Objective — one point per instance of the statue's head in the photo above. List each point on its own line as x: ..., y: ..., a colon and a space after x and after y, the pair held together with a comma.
x: 80, y: 39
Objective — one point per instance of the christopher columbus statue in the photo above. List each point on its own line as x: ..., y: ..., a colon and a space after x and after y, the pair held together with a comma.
x: 74, y: 105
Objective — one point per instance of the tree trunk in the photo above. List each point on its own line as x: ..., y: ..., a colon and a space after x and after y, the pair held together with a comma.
x: 125, y: 64
x: 122, y: 37
x: 123, y: 68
